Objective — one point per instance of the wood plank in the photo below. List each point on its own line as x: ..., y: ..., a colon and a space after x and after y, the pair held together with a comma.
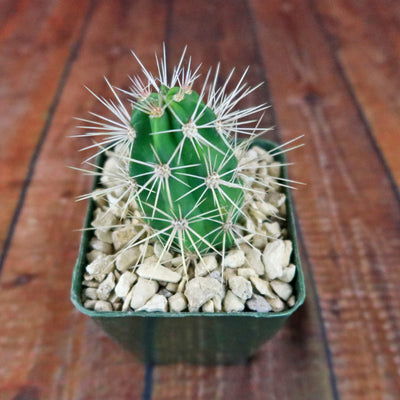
x: 370, y: 58
x: 8, y: 9
x: 32, y: 60
x: 48, y: 350
x: 294, y: 364
x: 349, y: 215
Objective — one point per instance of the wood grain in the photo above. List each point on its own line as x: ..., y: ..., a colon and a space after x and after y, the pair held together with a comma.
x: 36, y: 40
x: 370, y: 59
x: 349, y: 215
x: 48, y: 350
x: 270, y: 375
x: 332, y: 70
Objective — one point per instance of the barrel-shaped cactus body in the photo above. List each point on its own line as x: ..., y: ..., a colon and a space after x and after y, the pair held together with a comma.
x: 186, y: 171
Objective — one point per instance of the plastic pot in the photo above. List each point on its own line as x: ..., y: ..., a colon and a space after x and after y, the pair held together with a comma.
x: 195, y: 337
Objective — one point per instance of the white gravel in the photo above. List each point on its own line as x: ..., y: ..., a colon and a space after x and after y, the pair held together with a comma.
x: 256, y: 276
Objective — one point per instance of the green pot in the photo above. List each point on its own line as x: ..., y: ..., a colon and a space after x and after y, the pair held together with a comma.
x: 196, y: 337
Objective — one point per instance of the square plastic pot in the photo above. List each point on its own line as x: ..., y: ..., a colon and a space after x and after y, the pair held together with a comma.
x: 194, y: 337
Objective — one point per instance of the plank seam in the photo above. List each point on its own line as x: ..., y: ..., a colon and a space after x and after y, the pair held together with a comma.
x: 330, y: 39
x: 328, y: 353
x: 75, y: 48
x: 148, y: 382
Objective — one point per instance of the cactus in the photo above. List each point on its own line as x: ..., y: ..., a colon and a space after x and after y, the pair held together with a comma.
x: 180, y: 157
x: 189, y: 168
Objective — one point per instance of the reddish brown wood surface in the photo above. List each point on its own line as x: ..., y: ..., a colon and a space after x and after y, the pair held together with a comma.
x: 36, y: 41
x: 331, y: 71
x: 372, y: 69
x: 349, y: 215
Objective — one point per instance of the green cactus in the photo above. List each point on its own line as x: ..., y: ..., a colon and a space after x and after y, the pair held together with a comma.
x: 188, y: 167
x: 180, y: 158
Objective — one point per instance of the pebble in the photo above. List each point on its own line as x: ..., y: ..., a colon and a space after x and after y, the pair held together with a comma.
x: 146, y: 250
x: 122, y: 236
x: 258, y: 303
x: 288, y: 273
x: 177, y: 261
x: 152, y: 269
x: 157, y: 303
x: 199, y: 290
x: 274, y: 258
x: 125, y: 283
x: 99, y: 197
x: 159, y: 249
x: 208, y: 306
x: 267, y: 209
x: 143, y: 291
x: 92, y: 255
x: 232, y: 303
x: 228, y: 273
x: 205, y: 266
x: 90, y: 293
x: 102, y: 305
x: 111, y: 172
x: 253, y: 260
x: 263, y: 287
x: 263, y: 154
x: 273, y: 229
x: 90, y: 304
x: 246, y: 272
x: 287, y: 253
x: 275, y: 198
x: 127, y: 258
x: 291, y: 301
x: 113, y: 299
x: 255, y: 211
x: 106, y: 287
x: 177, y: 302
x: 182, y: 285
x: 127, y: 301
x: 100, y: 266
x: 165, y: 292
x: 274, y: 169
x: 282, y: 289
x: 117, y: 206
x: 276, y: 304
x: 259, y: 241
x: 241, y: 287
x: 104, y: 236
x: 90, y: 284
x: 217, y: 300
x: 172, y: 287
x: 216, y: 274
x: 101, y: 246
x: 234, y: 259
x: 104, y: 220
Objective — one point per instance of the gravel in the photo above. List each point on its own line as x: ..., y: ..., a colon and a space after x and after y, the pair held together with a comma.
x: 125, y: 272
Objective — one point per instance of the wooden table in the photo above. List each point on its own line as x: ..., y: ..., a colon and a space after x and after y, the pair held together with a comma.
x: 332, y: 73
